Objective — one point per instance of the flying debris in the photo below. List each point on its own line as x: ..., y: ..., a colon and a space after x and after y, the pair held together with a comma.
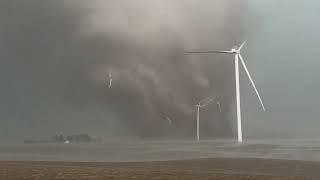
x: 110, y: 79
x: 219, y: 106
x: 236, y: 51
x: 168, y: 119
x: 202, y: 103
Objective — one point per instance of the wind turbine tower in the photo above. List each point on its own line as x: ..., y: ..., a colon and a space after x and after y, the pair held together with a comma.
x: 201, y: 104
x: 236, y: 52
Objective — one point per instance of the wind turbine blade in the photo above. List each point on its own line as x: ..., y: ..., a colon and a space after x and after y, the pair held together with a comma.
x: 244, y: 42
x: 254, y: 86
x: 205, y: 102
x: 208, y: 102
x: 203, y: 52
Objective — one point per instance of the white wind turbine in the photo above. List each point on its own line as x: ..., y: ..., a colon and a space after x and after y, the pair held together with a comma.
x: 237, y: 56
x: 202, y: 103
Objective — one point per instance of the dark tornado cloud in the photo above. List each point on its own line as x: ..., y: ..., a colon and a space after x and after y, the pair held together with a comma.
x: 56, y: 56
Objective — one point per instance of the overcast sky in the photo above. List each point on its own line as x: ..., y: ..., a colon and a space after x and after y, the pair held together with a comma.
x: 283, y: 57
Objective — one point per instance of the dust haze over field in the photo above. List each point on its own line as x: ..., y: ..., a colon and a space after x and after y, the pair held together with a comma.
x: 56, y: 55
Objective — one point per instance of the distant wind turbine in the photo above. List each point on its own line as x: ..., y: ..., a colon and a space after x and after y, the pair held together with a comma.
x: 202, y: 103
x: 236, y: 52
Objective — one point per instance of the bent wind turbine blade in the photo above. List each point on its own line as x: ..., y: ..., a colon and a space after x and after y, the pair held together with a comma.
x: 254, y: 86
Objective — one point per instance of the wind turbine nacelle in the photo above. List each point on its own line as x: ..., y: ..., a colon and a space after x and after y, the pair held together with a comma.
x: 234, y: 48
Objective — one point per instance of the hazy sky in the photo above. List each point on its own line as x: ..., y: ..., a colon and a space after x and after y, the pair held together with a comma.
x: 283, y: 59
x: 56, y: 55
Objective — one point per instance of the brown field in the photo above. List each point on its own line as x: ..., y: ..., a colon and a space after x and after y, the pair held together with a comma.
x: 220, y: 169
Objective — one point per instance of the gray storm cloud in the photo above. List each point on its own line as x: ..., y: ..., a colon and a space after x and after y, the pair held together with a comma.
x: 56, y: 56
